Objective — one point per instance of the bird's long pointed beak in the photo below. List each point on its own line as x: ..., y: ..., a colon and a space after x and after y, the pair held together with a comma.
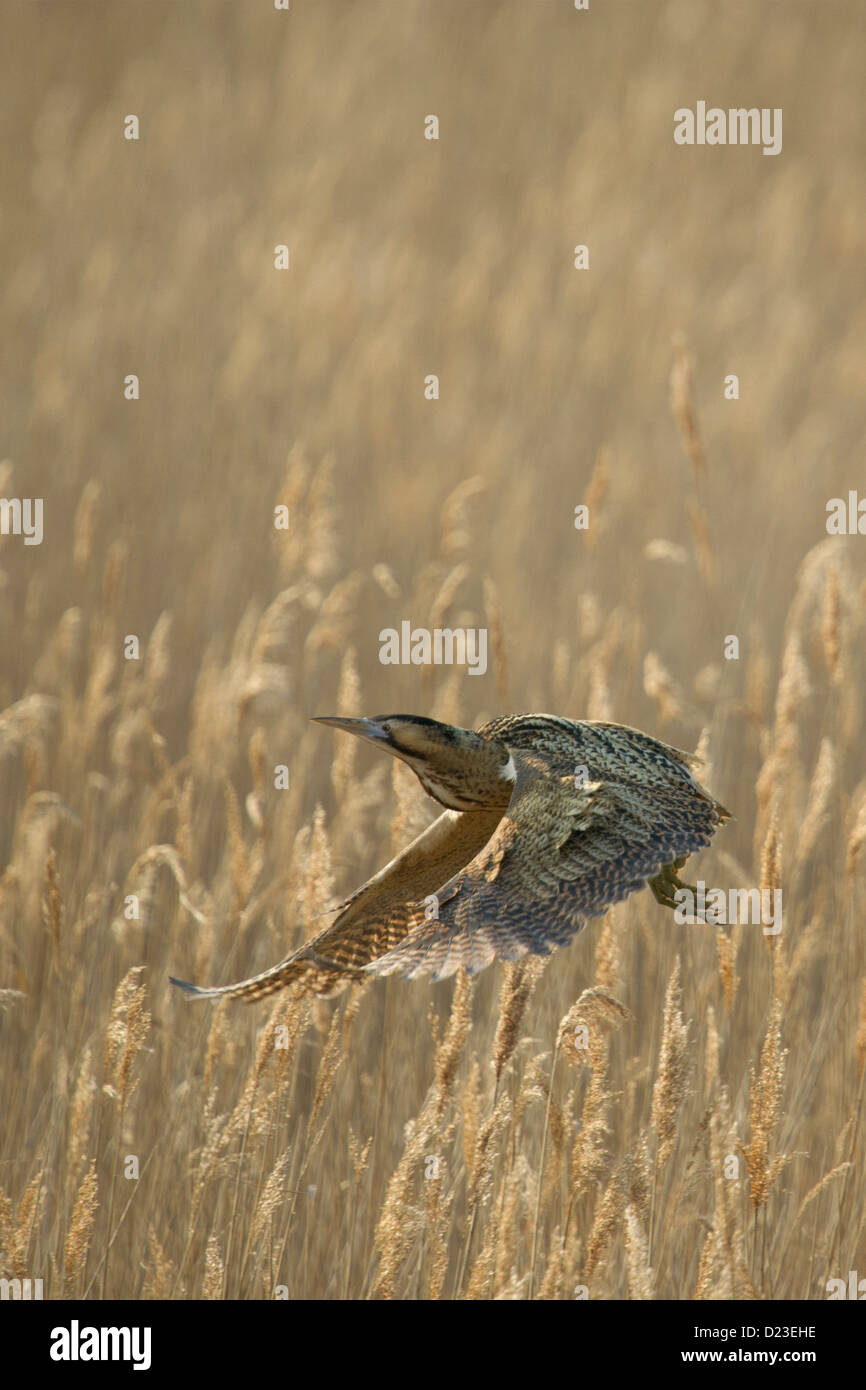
x: 363, y: 728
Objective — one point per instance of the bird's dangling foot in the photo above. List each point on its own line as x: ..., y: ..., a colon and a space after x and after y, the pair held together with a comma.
x: 666, y: 884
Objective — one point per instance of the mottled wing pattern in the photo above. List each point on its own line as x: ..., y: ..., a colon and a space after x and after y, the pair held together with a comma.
x: 376, y: 917
x: 609, y: 752
x: 561, y: 854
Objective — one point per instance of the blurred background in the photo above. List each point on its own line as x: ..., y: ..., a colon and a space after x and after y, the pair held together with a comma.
x: 305, y: 387
x: 411, y: 257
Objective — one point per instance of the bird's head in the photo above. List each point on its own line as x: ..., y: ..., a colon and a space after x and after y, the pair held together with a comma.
x: 457, y: 767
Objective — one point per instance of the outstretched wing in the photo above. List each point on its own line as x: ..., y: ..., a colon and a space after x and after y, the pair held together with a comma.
x: 376, y: 917
x: 609, y: 752
x: 561, y: 854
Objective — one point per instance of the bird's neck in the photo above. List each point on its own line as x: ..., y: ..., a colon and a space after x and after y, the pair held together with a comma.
x: 476, y: 779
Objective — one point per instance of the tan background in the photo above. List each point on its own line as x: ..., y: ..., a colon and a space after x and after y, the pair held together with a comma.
x: 408, y: 258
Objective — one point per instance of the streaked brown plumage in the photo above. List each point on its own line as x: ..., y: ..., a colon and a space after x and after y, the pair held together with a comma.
x: 549, y: 822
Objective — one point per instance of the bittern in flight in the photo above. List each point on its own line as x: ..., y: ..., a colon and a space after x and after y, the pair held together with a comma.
x: 548, y: 822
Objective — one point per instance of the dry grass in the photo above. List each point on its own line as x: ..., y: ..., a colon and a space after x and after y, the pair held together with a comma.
x: 660, y: 1110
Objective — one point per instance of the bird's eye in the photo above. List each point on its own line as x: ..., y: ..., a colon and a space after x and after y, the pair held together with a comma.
x: 386, y: 728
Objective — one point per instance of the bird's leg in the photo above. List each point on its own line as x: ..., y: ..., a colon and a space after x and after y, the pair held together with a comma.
x: 660, y: 891
x: 667, y: 883
x: 663, y: 889
x: 678, y: 883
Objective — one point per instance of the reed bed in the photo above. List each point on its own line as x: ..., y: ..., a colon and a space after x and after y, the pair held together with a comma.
x: 661, y: 1110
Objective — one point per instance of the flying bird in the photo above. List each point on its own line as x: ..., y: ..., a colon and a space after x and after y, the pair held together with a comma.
x: 547, y: 823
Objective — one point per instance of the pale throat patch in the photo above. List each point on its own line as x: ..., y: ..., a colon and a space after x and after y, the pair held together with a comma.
x: 508, y: 772
x: 443, y: 794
